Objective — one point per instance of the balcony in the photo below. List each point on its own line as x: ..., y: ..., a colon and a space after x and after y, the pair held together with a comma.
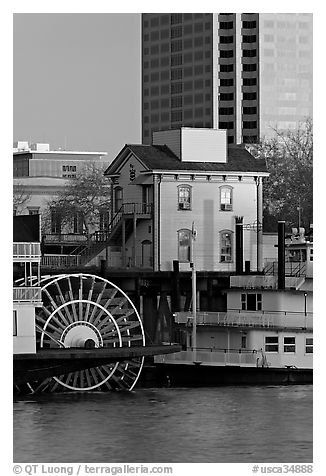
x: 27, y: 294
x: 245, y: 319
x: 65, y: 238
x: 26, y: 251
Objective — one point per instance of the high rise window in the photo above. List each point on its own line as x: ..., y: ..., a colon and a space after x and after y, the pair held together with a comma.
x: 226, y: 39
x: 226, y: 25
x: 226, y: 96
x: 226, y: 68
x: 249, y: 81
x: 249, y: 38
x: 226, y: 53
x: 249, y: 67
x: 226, y: 82
x: 249, y: 53
x: 223, y: 111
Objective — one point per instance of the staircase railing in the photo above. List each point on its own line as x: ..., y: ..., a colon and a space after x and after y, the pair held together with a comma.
x: 99, y: 239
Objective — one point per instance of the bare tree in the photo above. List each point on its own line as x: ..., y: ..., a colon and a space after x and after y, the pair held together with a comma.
x: 20, y: 196
x: 86, y: 196
x: 288, y: 192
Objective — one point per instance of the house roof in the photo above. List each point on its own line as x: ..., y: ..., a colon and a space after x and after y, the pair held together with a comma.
x: 160, y: 157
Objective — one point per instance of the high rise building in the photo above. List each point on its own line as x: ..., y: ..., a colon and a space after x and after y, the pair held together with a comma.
x: 247, y: 73
x: 286, y: 81
x: 201, y: 70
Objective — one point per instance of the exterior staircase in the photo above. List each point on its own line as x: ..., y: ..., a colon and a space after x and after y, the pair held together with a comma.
x: 101, y: 239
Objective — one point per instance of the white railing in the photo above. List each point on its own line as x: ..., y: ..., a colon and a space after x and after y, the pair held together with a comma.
x: 253, y: 282
x: 214, y: 357
x: 26, y: 250
x: 248, y: 319
x: 60, y: 261
x: 27, y: 294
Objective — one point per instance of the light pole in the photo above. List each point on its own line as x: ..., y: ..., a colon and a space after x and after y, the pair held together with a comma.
x: 194, y: 292
x: 305, y: 310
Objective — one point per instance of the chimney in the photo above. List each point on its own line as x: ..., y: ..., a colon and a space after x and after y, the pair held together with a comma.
x: 281, y: 254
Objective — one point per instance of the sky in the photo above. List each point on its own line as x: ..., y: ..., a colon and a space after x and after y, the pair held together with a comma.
x: 77, y: 80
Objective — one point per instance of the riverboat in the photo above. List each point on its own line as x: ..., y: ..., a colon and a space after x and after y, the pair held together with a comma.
x: 265, y: 336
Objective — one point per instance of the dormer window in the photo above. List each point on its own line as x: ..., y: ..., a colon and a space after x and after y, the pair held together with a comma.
x: 184, y: 197
x: 226, y: 198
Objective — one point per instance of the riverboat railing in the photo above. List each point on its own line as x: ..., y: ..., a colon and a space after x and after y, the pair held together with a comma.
x: 214, y: 356
x: 22, y: 250
x: 27, y: 294
x: 241, y: 318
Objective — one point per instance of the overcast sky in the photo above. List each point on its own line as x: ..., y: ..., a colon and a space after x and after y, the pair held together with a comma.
x: 77, y: 80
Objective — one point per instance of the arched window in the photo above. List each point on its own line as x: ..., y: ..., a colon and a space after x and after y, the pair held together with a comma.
x: 184, y: 242
x: 118, y: 198
x: 184, y: 197
x: 226, y: 246
x: 226, y: 198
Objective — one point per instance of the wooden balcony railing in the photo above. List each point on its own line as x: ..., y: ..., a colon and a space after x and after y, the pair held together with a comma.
x: 60, y: 261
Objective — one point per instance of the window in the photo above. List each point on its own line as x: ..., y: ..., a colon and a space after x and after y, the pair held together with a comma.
x: 226, y: 82
x: 249, y: 53
x: 184, y: 237
x: 249, y: 38
x: 226, y: 39
x: 176, y: 101
x: 176, y: 116
x: 225, y: 111
x: 15, y: 324
x: 226, y: 198
x: 249, y: 124
x: 176, y: 32
x: 249, y: 67
x: 226, y: 53
x: 176, y: 18
x: 309, y: 345
x: 55, y: 221
x: 271, y: 344
x: 176, y: 60
x: 251, y: 302
x: 250, y: 110
x: 78, y: 223
x: 33, y: 210
x: 249, y: 96
x: 249, y: 81
x: 226, y: 246
x: 249, y: 24
x: 289, y: 344
x: 184, y: 197
x: 226, y: 96
x: 176, y: 88
x: 176, y: 74
x: 226, y: 68
x: 226, y: 25
x: 118, y: 197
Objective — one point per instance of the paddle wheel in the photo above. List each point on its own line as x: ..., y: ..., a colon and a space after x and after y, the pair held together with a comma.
x: 87, y: 311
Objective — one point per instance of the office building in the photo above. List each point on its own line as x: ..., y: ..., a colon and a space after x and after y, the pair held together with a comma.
x: 201, y: 70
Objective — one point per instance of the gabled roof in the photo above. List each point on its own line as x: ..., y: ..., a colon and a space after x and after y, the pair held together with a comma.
x: 161, y: 158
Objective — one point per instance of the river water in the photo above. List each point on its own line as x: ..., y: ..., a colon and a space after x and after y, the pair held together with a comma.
x: 197, y: 425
